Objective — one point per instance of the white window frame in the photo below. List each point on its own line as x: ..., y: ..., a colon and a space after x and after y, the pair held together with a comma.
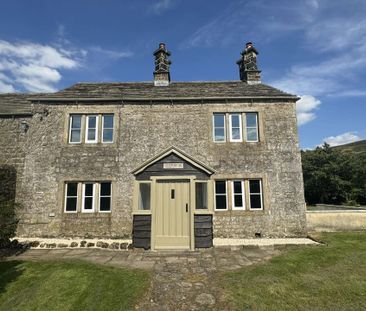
x: 66, y: 196
x: 260, y: 193
x: 108, y: 128
x: 213, y: 128
x: 226, y: 195
x: 251, y: 127
x: 87, y: 140
x: 83, y: 198
x: 105, y: 196
x: 231, y: 127
x: 241, y: 208
x: 71, y: 128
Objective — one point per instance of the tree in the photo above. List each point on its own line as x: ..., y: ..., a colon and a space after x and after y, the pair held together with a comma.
x: 330, y: 176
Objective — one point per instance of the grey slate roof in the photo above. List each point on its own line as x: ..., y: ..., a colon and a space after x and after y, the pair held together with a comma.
x: 176, y: 90
x: 20, y: 104
x: 15, y: 104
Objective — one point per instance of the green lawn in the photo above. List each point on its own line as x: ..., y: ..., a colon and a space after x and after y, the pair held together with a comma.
x: 327, y: 277
x: 69, y: 285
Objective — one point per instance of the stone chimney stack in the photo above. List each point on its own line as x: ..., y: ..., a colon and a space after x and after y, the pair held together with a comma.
x: 248, y: 69
x: 162, y: 64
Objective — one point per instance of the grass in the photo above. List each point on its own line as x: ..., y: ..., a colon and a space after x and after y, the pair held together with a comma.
x: 69, y: 285
x: 327, y: 277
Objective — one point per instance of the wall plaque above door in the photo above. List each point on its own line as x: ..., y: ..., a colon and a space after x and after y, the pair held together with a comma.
x: 172, y: 165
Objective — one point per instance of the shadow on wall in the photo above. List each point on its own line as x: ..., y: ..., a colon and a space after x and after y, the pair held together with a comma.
x: 8, y: 218
x: 8, y: 178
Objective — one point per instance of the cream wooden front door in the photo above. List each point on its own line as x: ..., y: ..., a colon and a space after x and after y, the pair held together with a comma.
x: 172, y: 223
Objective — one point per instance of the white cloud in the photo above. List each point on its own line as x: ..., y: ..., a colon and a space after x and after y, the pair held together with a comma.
x: 342, y: 139
x: 237, y: 20
x: 42, y: 55
x: 37, y: 78
x: 313, y: 3
x: 6, y: 88
x: 305, y: 109
x: 324, y: 34
x: 34, y: 67
x: 352, y: 93
x: 339, y: 42
x: 112, y: 54
x: 161, y: 5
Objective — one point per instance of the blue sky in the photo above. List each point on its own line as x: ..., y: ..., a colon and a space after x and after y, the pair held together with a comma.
x: 313, y: 48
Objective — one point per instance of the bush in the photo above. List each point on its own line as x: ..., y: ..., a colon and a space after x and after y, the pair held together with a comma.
x: 8, y: 221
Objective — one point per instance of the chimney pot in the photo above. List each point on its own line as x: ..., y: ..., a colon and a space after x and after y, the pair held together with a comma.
x: 248, y: 69
x: 162, y: 66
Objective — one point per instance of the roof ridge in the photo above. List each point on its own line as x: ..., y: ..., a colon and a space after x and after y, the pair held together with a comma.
x: 151, y: 82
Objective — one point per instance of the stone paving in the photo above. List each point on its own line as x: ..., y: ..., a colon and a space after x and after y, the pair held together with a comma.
x: 180, y: 280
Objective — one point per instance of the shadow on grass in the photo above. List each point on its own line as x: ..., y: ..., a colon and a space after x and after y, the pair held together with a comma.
x: 9, y: 272
x: 12, y: 250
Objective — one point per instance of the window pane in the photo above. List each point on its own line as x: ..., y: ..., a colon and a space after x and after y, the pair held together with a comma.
x: 254, y: 186
x: 220, y: 187
x: 88, y: 189
x: 105, y: 188
x: 252, y: 134
x: 235, y: 133
x: 71, y: 204
x: 88, y: 203
x: 91, y: 134
x: 255, y: 201
x: 201, y: 195
x: 237, y: 187
x: 92, y: 121
x: 72, y: 189
x: 108, y: 121
x: 251, y: 119
x: 235, y: 120
x: 107, y: 135
x: 219, y: 134
x: 238, y: 200
x: 144, y: 196
x: 105, y: 204
x: 76, y: 122
x: 219, y: 120
x: 220, y: 201
x: 75, y: 136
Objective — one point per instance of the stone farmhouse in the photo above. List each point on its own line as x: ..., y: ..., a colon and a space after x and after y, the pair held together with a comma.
x: 170, y: 165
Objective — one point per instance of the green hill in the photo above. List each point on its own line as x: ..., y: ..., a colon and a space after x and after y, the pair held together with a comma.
x: 358, y: 146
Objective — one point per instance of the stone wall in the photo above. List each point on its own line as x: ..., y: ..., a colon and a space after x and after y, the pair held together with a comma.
x: 47, y: 161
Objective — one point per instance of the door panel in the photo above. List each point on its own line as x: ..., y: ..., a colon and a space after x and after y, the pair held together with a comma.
x: 172, y: 217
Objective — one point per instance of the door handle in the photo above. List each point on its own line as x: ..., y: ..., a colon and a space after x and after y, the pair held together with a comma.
x: 186, y: 207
